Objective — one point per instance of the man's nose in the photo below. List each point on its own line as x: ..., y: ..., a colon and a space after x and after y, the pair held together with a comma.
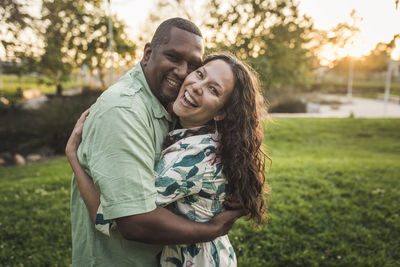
x: 182, y: 70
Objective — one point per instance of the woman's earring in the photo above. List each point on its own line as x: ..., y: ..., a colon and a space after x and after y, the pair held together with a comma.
x: 216, y: 127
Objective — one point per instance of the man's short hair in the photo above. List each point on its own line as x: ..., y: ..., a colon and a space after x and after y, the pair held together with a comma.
x: 162, y: 33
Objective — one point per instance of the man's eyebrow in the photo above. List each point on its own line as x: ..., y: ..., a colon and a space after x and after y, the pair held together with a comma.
x: 173, y: 51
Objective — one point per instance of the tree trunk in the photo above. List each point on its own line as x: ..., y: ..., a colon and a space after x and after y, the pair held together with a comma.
x: 101, y: 76
x: 59, y: 89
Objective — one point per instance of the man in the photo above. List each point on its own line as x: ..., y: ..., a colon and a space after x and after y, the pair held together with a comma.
x: 121, y: 141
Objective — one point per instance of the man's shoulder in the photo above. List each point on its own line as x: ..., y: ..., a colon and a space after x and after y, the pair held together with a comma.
x: 126, y: 93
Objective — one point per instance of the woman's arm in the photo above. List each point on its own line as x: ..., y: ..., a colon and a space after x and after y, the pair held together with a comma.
x: 86, y: 187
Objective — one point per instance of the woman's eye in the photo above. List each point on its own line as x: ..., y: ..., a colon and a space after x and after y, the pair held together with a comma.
x: 214, y: 91
x: 199, y: 73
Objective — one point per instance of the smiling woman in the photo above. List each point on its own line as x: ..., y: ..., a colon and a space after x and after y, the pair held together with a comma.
x: 204, y: 94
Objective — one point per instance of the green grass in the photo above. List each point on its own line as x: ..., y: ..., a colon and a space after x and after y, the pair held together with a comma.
x: 12, y: 82
x: 34, y: 214
x: 334, y: 200
x: 335, y: 190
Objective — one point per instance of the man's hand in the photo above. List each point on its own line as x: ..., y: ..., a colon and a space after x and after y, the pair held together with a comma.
x: 225, y: 220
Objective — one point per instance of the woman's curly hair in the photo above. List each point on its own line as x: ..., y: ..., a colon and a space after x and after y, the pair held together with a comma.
x: 241, y: 139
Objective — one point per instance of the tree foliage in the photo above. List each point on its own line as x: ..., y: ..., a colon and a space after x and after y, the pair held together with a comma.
x: 376, y: 61
x: 341, y: 37
x: 15, y: 20
x: 62, y: 21
x: 68, y: 35
x: 76, y: 34
x: 270, y: 35
x: 91, y: 47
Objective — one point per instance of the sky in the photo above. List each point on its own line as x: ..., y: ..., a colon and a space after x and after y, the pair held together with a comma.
x: 380, y: 20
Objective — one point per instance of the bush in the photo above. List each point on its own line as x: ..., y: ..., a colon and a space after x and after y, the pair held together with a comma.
x: 26, y: 131
x: 285, y: 100
x: 288, y: 105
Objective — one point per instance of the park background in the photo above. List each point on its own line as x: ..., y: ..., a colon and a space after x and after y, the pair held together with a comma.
x: 334, y: 190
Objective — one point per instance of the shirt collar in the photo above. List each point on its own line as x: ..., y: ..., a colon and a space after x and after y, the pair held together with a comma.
x: 158, y: 109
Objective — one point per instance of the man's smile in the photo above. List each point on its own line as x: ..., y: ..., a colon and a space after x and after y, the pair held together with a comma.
x: 173, y: 83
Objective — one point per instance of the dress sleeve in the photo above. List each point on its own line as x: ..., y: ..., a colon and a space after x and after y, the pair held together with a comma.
x: 121, y: 162
x: 101, y: 224
x: 183, y: 175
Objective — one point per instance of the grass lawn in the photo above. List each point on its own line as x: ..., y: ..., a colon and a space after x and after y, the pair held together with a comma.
x: 12, y: 82
x: 334, y: 200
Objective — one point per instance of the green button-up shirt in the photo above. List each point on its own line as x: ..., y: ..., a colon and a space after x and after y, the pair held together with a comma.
x: 122, y: 139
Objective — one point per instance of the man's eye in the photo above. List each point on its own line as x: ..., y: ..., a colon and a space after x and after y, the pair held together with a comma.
x: 192, y: 67
x: 173, y: 58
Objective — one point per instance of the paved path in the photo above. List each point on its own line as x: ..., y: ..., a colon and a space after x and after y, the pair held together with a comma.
x: 359, y: 107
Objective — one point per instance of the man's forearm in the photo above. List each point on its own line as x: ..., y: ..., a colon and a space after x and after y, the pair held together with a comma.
x: 161, y: 226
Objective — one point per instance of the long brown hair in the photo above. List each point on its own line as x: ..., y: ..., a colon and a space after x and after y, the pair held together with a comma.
x: 241, y: 139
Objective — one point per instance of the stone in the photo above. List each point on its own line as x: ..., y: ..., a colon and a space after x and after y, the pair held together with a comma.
x: 2, y: 162
x: 33, y: 158
x: 19, y: 160
x: 32, y: 103
x: 31, y: 93
x: 7, y: 157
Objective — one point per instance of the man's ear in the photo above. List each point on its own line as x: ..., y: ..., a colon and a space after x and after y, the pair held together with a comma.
x: 146, y: 54
x: 220, y: 116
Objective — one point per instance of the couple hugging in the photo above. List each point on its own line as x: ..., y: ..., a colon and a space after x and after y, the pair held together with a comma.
x: 168, y: 158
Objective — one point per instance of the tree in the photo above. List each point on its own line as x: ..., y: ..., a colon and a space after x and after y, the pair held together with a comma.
x: 341, y: 37
x: 75, y: 35
x: 91, y: 46
x: 62, y: 22
x: 195, y: 11
x: 376, y: 61
x: 270, y: 35
x: 16, y: 21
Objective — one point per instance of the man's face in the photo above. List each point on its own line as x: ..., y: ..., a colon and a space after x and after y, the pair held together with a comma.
x: 167, y: 65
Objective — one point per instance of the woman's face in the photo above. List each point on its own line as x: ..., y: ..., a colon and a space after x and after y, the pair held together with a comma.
x: 203, y: 94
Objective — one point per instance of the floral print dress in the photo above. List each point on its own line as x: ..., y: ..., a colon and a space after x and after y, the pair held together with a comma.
x: 190, y: 183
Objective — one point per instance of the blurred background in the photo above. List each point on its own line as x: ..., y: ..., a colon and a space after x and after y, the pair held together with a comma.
x: 334, y: 182
x: 314, y: 58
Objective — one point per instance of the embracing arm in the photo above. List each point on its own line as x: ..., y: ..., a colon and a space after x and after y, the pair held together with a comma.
x: 159, y: 226
x: 86, y: 187
x: 85, y: 184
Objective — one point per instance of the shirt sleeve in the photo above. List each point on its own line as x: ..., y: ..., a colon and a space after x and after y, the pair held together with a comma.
x: 121, y: 162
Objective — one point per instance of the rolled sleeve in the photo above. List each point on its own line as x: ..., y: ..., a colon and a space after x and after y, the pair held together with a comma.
x: 122, y: 161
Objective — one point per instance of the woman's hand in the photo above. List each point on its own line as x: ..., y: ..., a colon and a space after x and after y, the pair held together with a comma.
x: 76, y: 135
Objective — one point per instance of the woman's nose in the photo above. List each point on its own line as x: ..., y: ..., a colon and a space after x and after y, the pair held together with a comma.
x: 197, y: 88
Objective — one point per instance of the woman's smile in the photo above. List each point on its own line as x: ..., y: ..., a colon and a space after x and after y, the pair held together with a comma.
x: 204, y: 93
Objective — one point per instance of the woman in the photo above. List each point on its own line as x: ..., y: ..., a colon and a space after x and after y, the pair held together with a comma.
x: 213, y: 154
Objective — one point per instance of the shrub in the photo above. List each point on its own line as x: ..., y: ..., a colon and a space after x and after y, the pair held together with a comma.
x: 289, y: 104
x: 25, y: 131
